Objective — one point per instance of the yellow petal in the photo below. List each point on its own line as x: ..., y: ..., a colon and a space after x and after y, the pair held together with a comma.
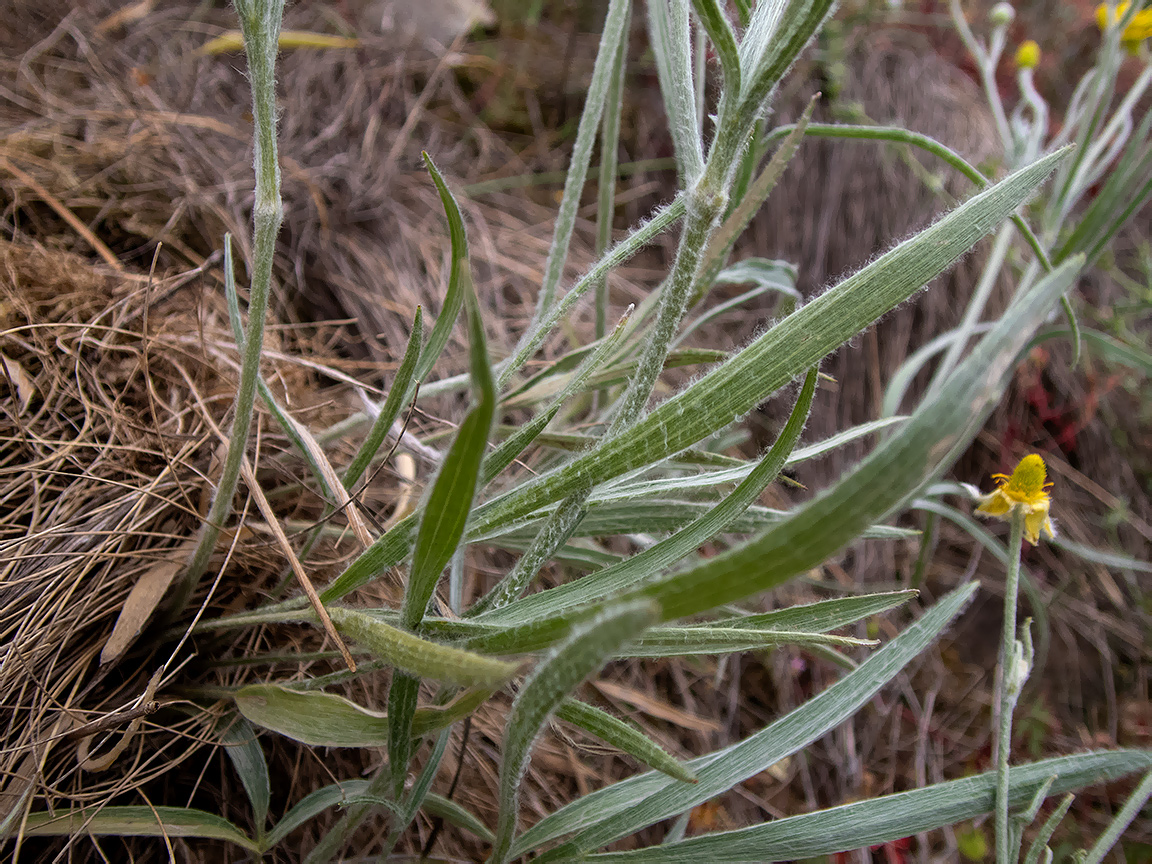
x: 995, y: 504
x: 1032, y: 523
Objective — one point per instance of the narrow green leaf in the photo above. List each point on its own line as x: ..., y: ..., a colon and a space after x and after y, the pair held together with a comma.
x: 630, y: 489
x: 450, y: 811
x: 822, y: 616
x: 403, y: 692
x: 314, y: 718
x: 312, y: 805
x: 651, y: 516
x: 418, y: 656
x: 889, y: 817
x: 615, y: 31
x: 555, y: 676
x: 432, y: 718
x: 1108, y: 346
x: 533, y: 634
x: 534, y: 337
x: 450, y: 500
x: 628, y: 806
x: 459, y: 277
x: 673, y: 549
x: 624, y: 737
x: 397, y: 397
x: 766, y: 273
x: 1120, y: 822
x: 386, y: 552
x: 415, y: 798
x: 719, y: 309
x: 672, y: 49
x: 903, y: 377
x: 1048, y: 829
x: 133, y: 821
x: 689, y: 641
x: 1115, y: 560
x: 247, y: 757
x: 765, y: 64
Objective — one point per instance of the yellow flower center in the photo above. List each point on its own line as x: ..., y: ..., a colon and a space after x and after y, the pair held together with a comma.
x: 1027, y: 484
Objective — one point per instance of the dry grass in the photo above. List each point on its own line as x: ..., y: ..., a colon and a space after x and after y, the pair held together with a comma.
x: 116, y: 383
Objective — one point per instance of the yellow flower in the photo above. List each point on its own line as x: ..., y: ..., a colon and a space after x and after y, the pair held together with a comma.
x: 1027, y: 55
x: 1026, y: 489
x: 1138, y: 29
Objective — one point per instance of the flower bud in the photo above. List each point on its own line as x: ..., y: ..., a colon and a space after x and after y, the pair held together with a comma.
x: 1027, y: 55
x: 1001, y: 15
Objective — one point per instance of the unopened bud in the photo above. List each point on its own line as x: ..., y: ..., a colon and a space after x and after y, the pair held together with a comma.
x: 1027, y: 55
x: 1001, y: 15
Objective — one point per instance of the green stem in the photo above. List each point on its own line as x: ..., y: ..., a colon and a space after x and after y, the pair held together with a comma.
x: 706, y: 205
x: 1008, y: 688
x: 260, y: 22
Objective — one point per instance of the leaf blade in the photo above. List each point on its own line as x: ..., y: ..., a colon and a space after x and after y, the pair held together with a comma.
x: 626, y: 807
x: 889, y: 817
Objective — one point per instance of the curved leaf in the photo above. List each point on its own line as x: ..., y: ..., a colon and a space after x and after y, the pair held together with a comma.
x: 565, y: 666
x: 450, y: 499
x: 419, y: 656
x: 889, y: 817
x: 623, y: 737
x: 133, y: 821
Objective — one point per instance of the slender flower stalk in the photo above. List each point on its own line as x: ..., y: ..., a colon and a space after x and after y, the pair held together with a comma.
x: 1008, y: 688
x: 1021, y: 499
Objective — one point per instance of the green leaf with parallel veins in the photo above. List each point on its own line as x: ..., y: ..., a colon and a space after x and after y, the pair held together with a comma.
x: 656, y: 515
x: 450, y: 500
x: 623, y: 737
x: 796, y: 343
x: 438, y: 805
x: 419, y: 656
x: 556, y: 675
x: 887, y: 479
x: 312, y: 805
x: 888, y: 817
x: 390, y: 410
x: 822, y: 616
x: 689, y: 641
x: 459, y: 278
x: 132, y: 821
x: 326, y: 720
x: 247, y: 757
